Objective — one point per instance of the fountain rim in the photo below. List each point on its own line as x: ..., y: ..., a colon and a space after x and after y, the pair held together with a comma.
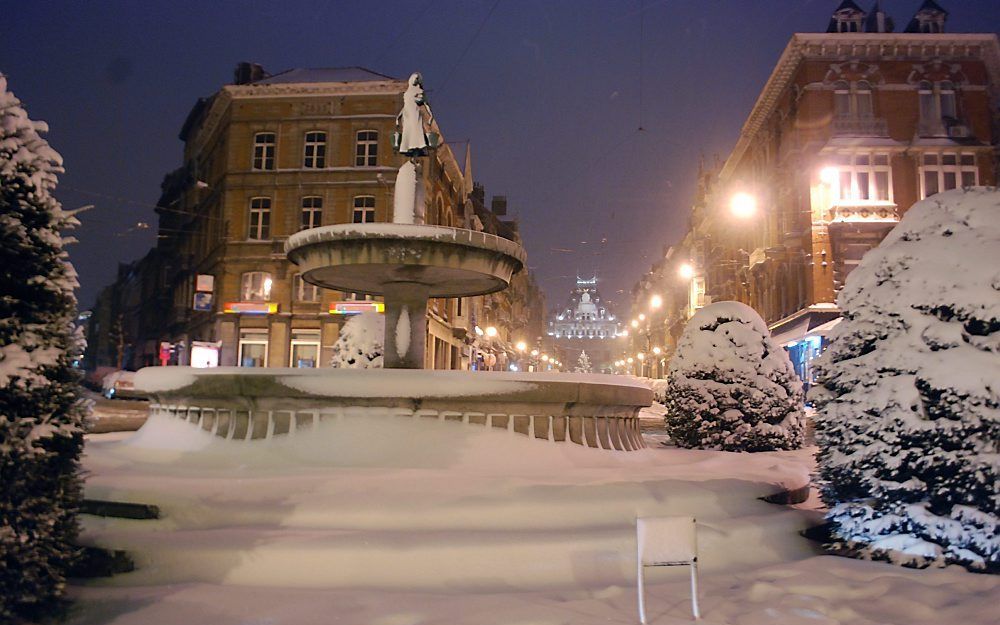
x: 405, y: 232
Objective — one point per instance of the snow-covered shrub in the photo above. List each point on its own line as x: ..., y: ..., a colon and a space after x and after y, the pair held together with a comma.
x: 360, y: 345
x: 583, y: 364
x: 731, y: 387
x: 41, y: 410
x: 908, y: 419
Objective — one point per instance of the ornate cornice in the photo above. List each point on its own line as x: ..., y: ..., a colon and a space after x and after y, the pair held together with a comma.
x: 847, y: 47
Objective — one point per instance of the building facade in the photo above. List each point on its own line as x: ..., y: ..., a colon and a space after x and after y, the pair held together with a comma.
x: 585, y: 324
x: 264, y: 158
x: 853, y: 127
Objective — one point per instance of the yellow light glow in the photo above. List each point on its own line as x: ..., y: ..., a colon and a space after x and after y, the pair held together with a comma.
x: 743, y: 205
x: 545, y: 357
x: 635, y: 324
x: 657, y: 351
x: 630, y: 360
x: 686, y: 271
x: 491, y: 331
x: 534, y: 352
x: 655, y: 302
x: 521, y: 346
x: 641, y: 356
x: 829, y: 175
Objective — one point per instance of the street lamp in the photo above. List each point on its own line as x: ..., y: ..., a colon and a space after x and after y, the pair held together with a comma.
x: 657, y: 351
x: 743, y: 205
x: 521, y: 346
x: 686, y: 271
x: 635, y: 324
x: 642, y: 317
x: 491, y: 331
x: 655, y: 302
x: 829, y: 175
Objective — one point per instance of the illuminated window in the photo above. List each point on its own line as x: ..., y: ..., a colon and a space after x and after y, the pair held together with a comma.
x: 253, y: 347
x: 304, y: 348
x: 864, y: 177
x: 255, y: 286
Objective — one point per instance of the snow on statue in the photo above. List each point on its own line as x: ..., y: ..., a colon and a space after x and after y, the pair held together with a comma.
x: 412, y: 140
x: 731, y: 386
x: 361, y: 341
x: 41, y: 409
x: 908, y: 419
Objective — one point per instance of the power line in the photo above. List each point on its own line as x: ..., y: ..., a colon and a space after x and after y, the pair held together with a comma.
x: 468, y: 46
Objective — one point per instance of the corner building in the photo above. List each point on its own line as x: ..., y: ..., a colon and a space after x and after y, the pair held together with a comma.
x: 267, y: 157
x: 853, y: 127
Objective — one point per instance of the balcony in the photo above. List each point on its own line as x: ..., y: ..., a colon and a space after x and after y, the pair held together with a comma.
x: 851, y: 211
x: 850, y: 126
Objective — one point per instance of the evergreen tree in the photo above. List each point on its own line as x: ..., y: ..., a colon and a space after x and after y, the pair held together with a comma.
x: 41, y: 409
x: 731, y: 387
x: 908, y: 419
x: 583, y: 363
x: 360, y: 345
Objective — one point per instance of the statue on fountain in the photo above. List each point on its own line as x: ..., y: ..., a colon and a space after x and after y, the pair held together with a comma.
x: 412, y: 141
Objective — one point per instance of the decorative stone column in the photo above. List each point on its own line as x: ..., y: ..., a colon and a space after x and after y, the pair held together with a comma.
x: 405, y: 324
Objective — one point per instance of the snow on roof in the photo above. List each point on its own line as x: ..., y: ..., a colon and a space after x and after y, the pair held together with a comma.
x: 324, y: 74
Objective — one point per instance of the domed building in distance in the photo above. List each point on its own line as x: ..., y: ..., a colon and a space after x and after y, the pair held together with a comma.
x: 585, y: 324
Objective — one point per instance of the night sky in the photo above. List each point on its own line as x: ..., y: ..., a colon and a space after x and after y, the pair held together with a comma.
x: 551, y: 93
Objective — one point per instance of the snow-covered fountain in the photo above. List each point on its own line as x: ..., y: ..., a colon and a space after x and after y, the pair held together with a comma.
x: 406, y: 262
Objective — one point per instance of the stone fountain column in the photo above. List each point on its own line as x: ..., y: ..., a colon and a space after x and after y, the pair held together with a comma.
x: 405, y: 324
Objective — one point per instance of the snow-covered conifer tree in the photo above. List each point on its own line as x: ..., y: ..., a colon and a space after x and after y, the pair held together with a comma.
x: 41, y: 410
x: 360, y: 345
x: 583, y: 363
x: 731, y: 386
x: 908, y: 420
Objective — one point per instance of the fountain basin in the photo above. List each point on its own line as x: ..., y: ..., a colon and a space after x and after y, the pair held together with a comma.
x: 444, y: 261
x: 593, y: 410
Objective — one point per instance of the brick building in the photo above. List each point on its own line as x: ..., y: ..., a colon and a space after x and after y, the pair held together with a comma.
x: 853, y: 126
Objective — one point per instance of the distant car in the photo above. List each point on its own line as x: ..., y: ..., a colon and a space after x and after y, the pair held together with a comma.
x: 120, y: 385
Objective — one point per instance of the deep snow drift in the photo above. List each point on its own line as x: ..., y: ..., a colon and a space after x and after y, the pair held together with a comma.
x: 404, y: 522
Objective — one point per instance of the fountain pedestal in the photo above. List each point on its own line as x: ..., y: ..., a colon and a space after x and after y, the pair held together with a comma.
x: 406, y: 264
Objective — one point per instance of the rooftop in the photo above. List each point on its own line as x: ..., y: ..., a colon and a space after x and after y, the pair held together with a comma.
x: 323, y: 74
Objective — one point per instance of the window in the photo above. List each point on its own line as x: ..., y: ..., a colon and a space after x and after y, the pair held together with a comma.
x: 364, y: 209
x: 260, y: 219
x: 263, y: 150
x: 253, y: 347
x: 852, y: 100
x: 312, y: 212
x: 358, y: 297
x: 305, y: 348
x: 947, y: 170
x: 304, y: 291
x: 366, y: 152
x: 864, y: 177
x: 938, y: 102
x: 256, y: 286
x: 315, y: 152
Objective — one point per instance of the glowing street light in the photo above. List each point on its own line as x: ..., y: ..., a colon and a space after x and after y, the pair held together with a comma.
x: 743, y: 205
x: 829, y: 175
x: 534, y: 352
x: 521, y: 346
x: 655, y: 302
x: 686, y: 271
x: 641, y: 356
x: 635, y: 324
x: 642, y: 317
x: 545, y: 357
x: 630, y: 360
x: 491, y: 331
x: 657, y: 351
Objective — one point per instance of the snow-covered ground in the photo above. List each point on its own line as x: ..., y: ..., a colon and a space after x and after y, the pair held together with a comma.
x: 394, y: 522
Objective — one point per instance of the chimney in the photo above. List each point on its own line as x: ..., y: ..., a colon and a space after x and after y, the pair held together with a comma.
x: 499, y: 205
x: 247, y: 73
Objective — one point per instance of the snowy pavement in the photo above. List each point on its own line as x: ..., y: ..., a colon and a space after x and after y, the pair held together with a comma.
x: 393, y: 524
